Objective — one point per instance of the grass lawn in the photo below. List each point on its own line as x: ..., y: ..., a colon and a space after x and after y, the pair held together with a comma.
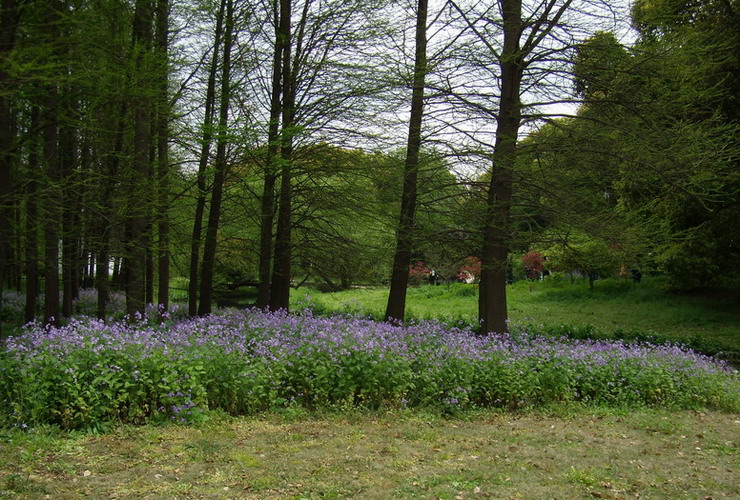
x: 613, y: 304
x: 566, y: 452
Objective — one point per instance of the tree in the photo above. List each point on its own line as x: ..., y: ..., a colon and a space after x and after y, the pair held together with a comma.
x: 203, y: 159
x: 10, y: 16
x: 396, y: 306
x: 322, y: 82
x: 523, y: 48
x: 593, y: 258
x: 281, y: 272
x: 670, y: 104
x: 32, y: 260
x: 138, y: 173
x: 220, y: 166
x: 163, y: 167
x: 267, y: 205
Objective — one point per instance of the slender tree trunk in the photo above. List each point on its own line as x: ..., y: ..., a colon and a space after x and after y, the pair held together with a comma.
x: 396, y: 308
x: 77, y: 262
x: 214, y: 214
x: 151, y: 211
x: 32, y: 240
x: 52, y: 215
x: 16, y: 251
x: 203, y: 164
x: 492, y: 294
x: 149, y: 261
x: 117, y: 271
x: 66, y: 166
x: 267, y: 213
x: 163, y: 167
x: 136, y: 224
x: 102, y: 261
x: 280, y: 287
x: 86, y: 271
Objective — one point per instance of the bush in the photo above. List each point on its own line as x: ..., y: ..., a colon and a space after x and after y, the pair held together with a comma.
x: 698, y: 343
x: 88, y: 373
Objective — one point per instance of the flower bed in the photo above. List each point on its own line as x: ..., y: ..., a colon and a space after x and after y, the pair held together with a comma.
x: 244, y: 362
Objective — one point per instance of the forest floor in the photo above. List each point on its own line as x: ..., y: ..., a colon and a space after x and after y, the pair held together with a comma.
x: 565, y: 452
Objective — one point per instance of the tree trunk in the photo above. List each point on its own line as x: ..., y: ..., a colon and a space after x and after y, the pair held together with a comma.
x: 396, y: 308
x: 267, y: 213
x: 102, y: 261
x: 32, y: 240
x: 53, y: 211
x: 149, y: 261
x: 136, y: 224
x: 280, y: 286
x: 16, y: 251
x: 69, y: 233
x: 151, y: 209
x: 214, y: 214
x: 494, y: 256
x: 9, y: 20
x: 202, y: 164
x: 163, y: 167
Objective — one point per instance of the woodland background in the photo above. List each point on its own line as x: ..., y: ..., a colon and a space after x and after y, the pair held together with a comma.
x: 152, y: 145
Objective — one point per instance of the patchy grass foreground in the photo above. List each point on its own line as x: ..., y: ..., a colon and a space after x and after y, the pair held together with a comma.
x: 567, y: 453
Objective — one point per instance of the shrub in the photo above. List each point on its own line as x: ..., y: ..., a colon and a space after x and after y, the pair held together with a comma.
x: 88, y: 373
x: 418, y: 273
x: 534, y: 264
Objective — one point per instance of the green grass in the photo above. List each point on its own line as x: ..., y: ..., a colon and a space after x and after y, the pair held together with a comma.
x: 562, y: 452
x: 614, y: 304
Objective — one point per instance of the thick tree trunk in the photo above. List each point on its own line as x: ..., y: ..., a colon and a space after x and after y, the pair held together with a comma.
x: 396, y: 308
x: 492, y: 294
x: 214, y: 214
x: 9, y: 20
x: 280, y: 286
x: 203, y: 164
x: 267, y: 213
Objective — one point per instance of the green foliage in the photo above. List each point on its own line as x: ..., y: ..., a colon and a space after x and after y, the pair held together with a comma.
x: 593, y: 258
x: 690, y: 263
x: 599, y: 64
x: 243, y: 363
x: 669, y: 106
